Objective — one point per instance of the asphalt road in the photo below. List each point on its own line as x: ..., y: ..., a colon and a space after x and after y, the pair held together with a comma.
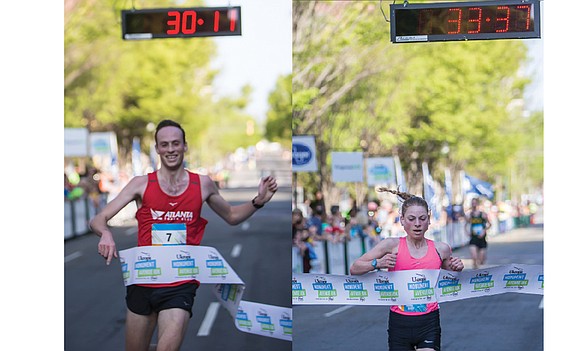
x: 506, y: 322
x: 258, y: 250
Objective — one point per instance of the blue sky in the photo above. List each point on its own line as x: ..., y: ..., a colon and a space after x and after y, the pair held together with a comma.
x: 264, y: 52
x: 260, y: 55
x: 534, y: 94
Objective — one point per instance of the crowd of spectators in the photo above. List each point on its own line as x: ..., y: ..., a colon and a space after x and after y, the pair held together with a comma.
x: 312, y: 224
x: 315, y: 225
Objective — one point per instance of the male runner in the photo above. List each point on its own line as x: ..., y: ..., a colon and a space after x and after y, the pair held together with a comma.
x: 476, y: 226
x: 169, y: 212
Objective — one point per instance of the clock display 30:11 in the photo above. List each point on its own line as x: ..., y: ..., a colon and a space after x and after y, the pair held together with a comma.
x: 187, y: 22
x: 181, y: 22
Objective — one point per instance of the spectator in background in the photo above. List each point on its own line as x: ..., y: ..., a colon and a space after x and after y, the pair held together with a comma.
x: 90, y: 184
x: 533, y: 210
x: 382, y: 217
x: 336, y: 225
x: 318, y: 201
x: 300, y: 237
x: 355, y: 224
x: 67, y: 186
x: 392, y: 227
x: 314, y: 222
x: 503, y: 216
x: 457, y: 212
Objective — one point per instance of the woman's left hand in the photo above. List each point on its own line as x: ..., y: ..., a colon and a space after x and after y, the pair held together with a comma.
x: 455, y: 264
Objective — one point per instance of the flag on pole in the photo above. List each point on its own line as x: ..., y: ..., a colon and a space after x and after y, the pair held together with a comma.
x: 472, y: 185
x: 401, y: 184
x: 448, y: 185
x: 429, y: 193
x: 136, y: 157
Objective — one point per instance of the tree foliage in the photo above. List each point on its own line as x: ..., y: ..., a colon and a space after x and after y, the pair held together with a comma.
x: 279, y: 117
x: 355, y: 90
x: 112, y: 84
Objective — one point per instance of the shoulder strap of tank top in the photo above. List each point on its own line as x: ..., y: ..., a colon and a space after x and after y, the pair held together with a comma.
x: 431, y: 242
x: 402, y: 243
x: 193, y: 178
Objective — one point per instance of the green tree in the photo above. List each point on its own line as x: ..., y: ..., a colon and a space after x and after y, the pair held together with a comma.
x: 526, y: 165
x: 114, y: 84
x: 279, y: 116
x: 355, y: 90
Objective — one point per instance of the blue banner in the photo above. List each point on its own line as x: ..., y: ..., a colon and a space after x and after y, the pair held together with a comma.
x: 477, y: 186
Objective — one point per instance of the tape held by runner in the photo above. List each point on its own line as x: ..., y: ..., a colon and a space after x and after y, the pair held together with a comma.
x: 168, y: 264
x: 415, y: 286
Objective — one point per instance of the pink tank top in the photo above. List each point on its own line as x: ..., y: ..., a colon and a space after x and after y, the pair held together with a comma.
x: 405, y: 261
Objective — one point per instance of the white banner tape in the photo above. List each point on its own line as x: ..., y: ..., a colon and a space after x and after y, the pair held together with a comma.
x: 168, y: 264
x: 415, y: 286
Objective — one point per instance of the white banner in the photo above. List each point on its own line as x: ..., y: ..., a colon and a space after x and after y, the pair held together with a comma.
x: 304, y: 154
x: 168, y: 264
x: 76, y: 142
x: 347, y: 166
x: 415, y: 286
x: 380, y: 171
x: 103, y: 143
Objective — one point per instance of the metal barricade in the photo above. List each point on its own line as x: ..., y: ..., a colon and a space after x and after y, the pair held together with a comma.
x: 333, y: 258
x: 77, y: 214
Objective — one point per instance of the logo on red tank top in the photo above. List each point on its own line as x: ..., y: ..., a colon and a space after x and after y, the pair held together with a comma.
x: 172, y: 215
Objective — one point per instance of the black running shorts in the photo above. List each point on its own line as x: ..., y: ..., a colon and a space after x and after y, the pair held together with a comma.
x: 479, y: 242
x: 408, y: 332
x: 145, y: 300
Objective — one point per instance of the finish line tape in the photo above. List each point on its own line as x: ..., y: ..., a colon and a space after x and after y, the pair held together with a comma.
x: 168, y: 264
x: 415, y: 286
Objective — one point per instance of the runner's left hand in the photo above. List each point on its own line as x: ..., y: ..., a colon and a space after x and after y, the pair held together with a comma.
x: 455, y: 264
x: 266, y: 189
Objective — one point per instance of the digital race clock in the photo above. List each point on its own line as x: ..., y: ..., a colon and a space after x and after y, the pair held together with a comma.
x: 181, y: 22
x: 478, y: 20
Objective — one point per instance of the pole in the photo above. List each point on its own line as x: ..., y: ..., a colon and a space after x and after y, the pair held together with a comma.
x: 295, y: 189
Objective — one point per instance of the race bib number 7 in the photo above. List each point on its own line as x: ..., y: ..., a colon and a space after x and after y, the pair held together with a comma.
x: 168, y: 234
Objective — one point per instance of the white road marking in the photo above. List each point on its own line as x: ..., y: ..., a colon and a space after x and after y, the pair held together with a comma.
x: 72, y: 256
x: 208, y: 320
x: 236, y: 250
x: 541, y: 306
x: 338, y: 310
x: 245, y: 226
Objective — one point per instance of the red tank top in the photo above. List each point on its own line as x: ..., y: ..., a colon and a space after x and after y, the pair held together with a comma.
x: 163, y: 219
x: 405, y: 261
x: 170, y: 220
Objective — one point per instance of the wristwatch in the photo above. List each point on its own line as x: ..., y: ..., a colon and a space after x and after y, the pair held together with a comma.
x: 255, y: 204
x: 374, y: 263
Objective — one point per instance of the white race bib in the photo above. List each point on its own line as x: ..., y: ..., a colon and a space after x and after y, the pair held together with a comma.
x: 168, y: 234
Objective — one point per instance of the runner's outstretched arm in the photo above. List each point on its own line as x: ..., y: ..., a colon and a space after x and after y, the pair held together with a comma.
x: 98, y: 223
x: 237, y: 214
